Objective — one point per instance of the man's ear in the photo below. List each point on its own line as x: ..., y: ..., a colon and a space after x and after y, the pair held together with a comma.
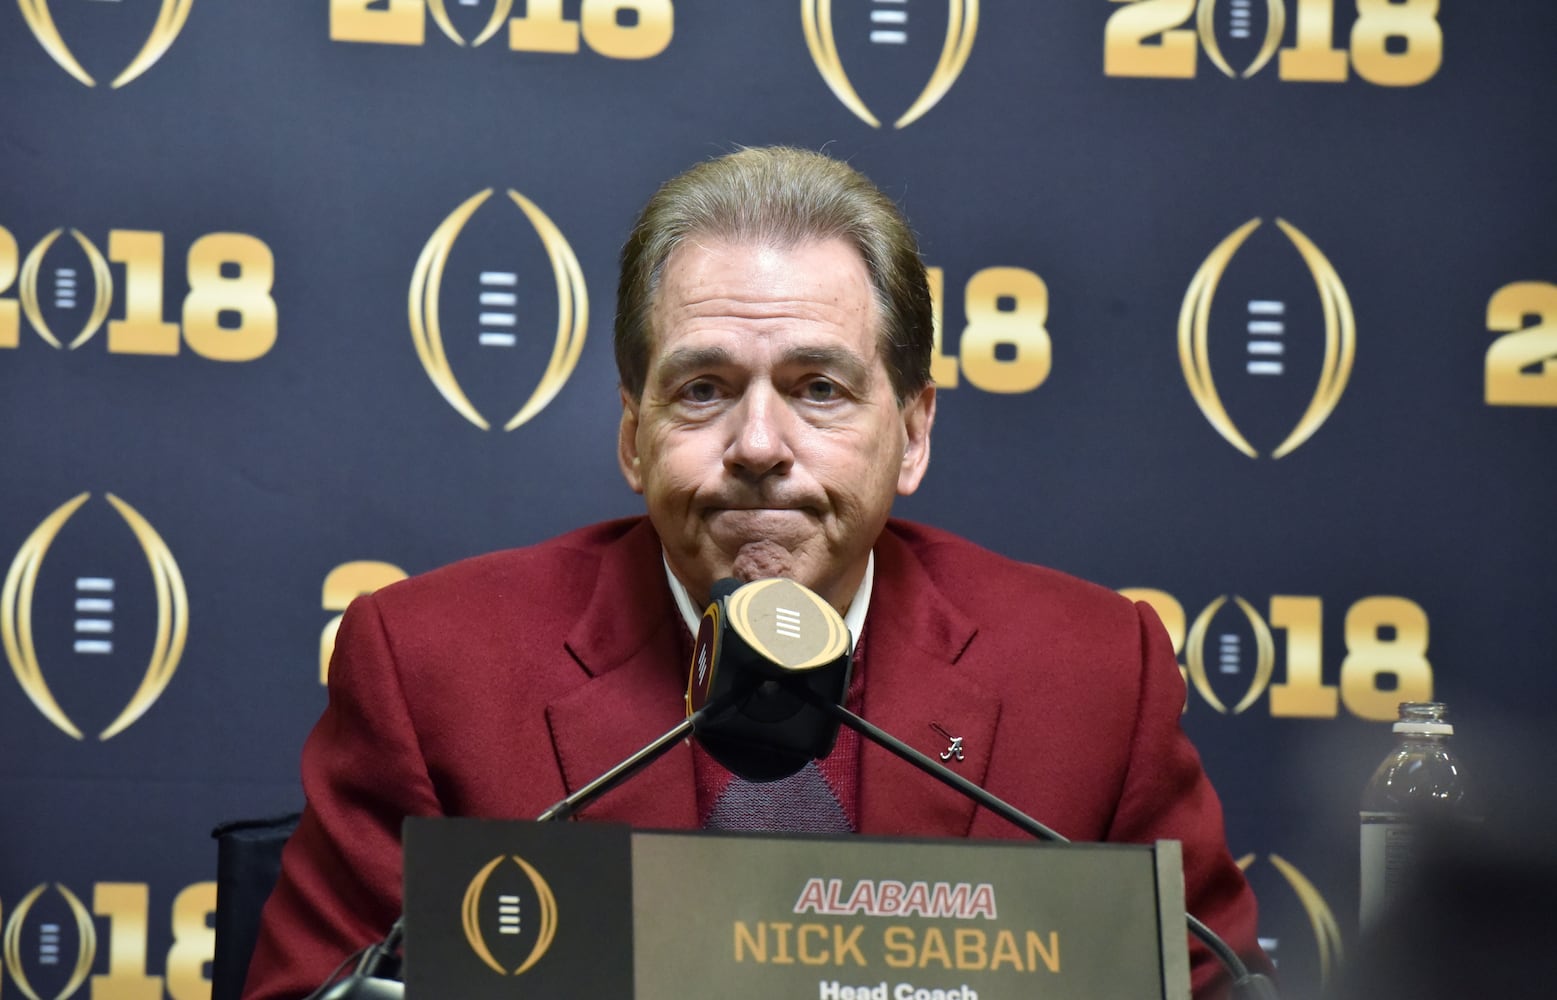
x: 918, y: 418
x: 627, y: 442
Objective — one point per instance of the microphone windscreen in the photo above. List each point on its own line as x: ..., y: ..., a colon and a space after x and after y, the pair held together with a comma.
x: 763, y: 650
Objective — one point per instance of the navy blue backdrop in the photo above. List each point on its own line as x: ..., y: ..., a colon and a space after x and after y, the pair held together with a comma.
x: 1248, y: 308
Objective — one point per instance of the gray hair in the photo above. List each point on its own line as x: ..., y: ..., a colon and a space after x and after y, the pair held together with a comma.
x: 779, y: 196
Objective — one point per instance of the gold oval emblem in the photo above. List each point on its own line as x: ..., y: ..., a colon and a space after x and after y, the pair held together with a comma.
x: 86, y: 942
x: 470, y: 921
x: 1321, y: 919
x: 1340, y: 339
x: 170, y: 21
x: 16, y: 617
x: 962, y: 22
x: 427, y: 329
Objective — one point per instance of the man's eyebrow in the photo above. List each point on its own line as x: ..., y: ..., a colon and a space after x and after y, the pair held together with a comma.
x: 836, y: 359
x: 683, y: 361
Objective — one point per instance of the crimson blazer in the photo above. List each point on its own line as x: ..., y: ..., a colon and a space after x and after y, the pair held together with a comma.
x: 496, y: 686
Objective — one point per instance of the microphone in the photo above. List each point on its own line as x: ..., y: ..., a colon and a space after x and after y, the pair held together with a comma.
x: 765, y: 691
x: 766, y: 654
x: 787, y: 701
x: 753, y: 642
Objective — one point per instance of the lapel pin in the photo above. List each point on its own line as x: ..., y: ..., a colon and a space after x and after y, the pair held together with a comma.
x: 955, y: 747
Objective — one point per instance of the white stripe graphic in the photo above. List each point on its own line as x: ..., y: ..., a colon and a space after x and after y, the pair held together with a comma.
x: 787, y: 622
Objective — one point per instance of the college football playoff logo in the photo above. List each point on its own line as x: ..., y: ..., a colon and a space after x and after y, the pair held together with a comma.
x: 1230, y: 654
x: 512, y: 912
x: 94, y: 631
x: 102, y: 290
x: 886, y: 28
x: 1321, y: 919
x: 171, y: 16
x: 49, y: 936
x: 1275, y: 354
x: 495, y: 302
x: 1240, y: 22
x: 499, y: 16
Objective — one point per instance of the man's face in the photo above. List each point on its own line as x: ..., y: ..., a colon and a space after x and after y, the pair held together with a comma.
x: 768, y: 441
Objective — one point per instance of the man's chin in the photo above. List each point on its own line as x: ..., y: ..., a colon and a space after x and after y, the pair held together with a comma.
x: 760, y: 560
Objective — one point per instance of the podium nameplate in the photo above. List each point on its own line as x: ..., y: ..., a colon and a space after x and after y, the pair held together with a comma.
x: 515, y: 909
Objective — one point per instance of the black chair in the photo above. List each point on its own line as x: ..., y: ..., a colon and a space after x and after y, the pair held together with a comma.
x: 248, y: 862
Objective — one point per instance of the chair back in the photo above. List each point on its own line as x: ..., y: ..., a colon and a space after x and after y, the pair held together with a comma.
x: 248, y: 862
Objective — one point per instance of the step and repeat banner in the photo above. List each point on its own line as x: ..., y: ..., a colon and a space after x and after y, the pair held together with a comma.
x: 1248, y: 308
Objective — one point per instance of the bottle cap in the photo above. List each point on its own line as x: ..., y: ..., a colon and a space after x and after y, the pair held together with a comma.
x: 1425, y: 728
x: 1424, y: 718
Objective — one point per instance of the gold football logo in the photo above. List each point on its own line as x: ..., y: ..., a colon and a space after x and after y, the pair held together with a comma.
x: 86, y: 942
x: 427, y: 330
x: 170, y: 21
x: 440, y: 15
x: 1264, y: 655
x: 16, y: 627
x: 1321, y: 919
x: 509, y: 916
x: 1275, y: 27
x: 1340, y: 339
x: 102, y: 289
x: 962, y: 21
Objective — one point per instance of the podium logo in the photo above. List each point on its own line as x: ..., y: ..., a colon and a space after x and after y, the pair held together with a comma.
x: 882, y: 35
x: 96, y: 607
x: 1392, y: 43
x: 51, y: 942
x: 1328, y: 951
x: 509, y: 916
x: 227, y: 315
x: 170, y: 18
x: 1270, y: 350
x: 484, y: 298
x: 1231, y: 656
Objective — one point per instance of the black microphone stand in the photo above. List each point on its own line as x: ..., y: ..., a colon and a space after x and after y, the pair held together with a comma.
x: 372, y: 978
x: 1246, y: 985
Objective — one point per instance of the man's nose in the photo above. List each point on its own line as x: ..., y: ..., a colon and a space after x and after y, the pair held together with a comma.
x: 760, y: 435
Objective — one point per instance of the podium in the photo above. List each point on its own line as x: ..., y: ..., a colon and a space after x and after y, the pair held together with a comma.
x: 514, y: 909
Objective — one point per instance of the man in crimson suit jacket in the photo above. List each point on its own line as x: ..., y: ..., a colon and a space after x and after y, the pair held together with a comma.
x: 773, y: 337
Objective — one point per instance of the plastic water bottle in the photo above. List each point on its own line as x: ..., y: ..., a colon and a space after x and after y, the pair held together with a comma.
x: 1420, y: 783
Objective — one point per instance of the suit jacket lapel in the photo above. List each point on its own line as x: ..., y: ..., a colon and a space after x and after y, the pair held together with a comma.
x: 628, y: 641
x: 915, y: 676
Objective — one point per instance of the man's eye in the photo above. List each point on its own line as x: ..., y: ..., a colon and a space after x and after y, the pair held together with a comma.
x: 700, y: 392
x: 821, y: 390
